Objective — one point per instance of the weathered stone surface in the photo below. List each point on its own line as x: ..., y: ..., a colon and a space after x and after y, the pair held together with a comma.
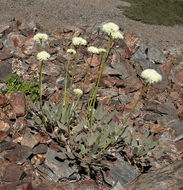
x: 3, y: 100
x: 60, y: 168
x: 12, y: 173
x: 5, y: 70
x: 122, y: 172
x: 169, y: 177
x: 40, y: 149
x: 17, y: 101
x: 28, y: 45
x: 154, y: 54
x: 132, y: 43
x: 19, y: 154
x: 13, y: 41
x: 29, y: 140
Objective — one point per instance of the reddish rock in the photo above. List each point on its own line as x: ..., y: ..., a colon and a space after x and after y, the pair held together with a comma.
x: 12, y: 173
x: 4, y: 126
x: 132, y: 43
x: 17, y: 101
x: 28, y: 45
x: 179, y: 146
x: 5, y: 29
x: 174, y: 95
x: 167, y: 66
x: 3, y: 100
x: 95, y: 61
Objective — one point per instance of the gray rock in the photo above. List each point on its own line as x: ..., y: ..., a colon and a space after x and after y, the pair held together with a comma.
x: 167, y: 178
x: 124, y: 99
x: 5, y: 70
x: 154, y: 54
x: 122, y: 172
x: 60, y: 168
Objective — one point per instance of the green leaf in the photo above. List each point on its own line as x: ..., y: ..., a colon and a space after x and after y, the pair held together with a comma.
x: 37, y: 120
x: 70, y: 155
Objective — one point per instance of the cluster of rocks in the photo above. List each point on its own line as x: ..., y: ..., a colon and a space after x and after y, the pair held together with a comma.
x: 28, y: 158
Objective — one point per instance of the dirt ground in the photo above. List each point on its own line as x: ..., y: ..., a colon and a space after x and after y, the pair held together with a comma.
x: 55, y: 14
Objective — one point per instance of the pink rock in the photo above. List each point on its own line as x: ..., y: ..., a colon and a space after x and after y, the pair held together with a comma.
x: 17, y: 101
x: 28, y: 45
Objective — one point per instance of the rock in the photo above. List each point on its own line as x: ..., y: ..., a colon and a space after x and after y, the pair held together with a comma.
x: 17, y: 101
x: 60, y: 168
x: 5, y: 30
x: 28, y: 45
x: 154, y: 54
x: 19, y: 154
x: 5, y: 54
x: 95, y: 61
x: 12, y: 173
x: 4, y: 126
x: 132, y: 44
x: 107, y: 93
x: 14, y: 40
x: 28, y: 139
x: 5, y: 70
x: 121, y: 172
x: 52, y: 69
x: 40, y: 149
x: 169, y: 177
x: 3, y: 100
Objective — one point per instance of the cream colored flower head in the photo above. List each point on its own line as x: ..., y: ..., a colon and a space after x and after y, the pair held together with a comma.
x: 71, y: 51
x: 110, y: 28
x: 151, y: 76
x: 43, y: 56
x: 78, y: 41
x: 101, y: 50
x: 117, y: 35
x: 93, y: 49
x: 40, y: 36
x: 78, y: 92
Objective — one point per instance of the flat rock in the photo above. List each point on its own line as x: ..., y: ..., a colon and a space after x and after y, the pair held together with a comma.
x: 5, y: 70
x: 169, y: 177
x: 60, y: 168
x: 17, y: 101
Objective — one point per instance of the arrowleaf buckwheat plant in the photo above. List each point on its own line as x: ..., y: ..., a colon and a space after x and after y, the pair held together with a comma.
x: 85, y: 135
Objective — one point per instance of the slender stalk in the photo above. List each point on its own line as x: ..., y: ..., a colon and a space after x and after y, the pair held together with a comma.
x: 73, y: 72
x: 98, y: 80
x: 127, y: 118
x: 69, y: 117
x: 87, y: 72
x: 66, y: 75
x: 41, y: 92
x: 41, y: 45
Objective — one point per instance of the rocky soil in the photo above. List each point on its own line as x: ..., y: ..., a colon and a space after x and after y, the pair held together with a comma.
x: 55, y: 15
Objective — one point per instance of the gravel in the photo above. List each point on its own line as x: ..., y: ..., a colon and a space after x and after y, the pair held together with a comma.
x: 53, y: 15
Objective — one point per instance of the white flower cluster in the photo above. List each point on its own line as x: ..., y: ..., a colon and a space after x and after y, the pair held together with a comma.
x: 71, y: 51
x: 79, y: 41
x: 43, y: 56
x: 113, y: 30
x: 40, y: 36
x: 78, y: 92
x: 151, y: 76
x: 93, y: 49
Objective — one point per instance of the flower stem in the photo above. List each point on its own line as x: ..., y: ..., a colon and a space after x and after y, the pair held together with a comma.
x: 67, y: 69
x: 87, y: 72
x: 127, y: 118
x: 41, y: 92
x: 98, y: 80
x: 73, y: 72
